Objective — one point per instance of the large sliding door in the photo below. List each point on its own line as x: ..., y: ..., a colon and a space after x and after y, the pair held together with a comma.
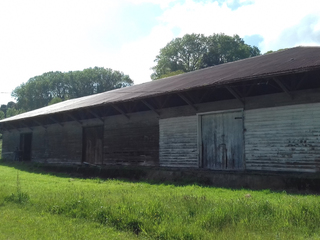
x: 93, y: 145
x: 222, y: 140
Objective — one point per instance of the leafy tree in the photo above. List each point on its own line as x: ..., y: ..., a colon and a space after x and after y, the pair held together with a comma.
x: 195, y: 51
x: 170, y: 74
x: 11, y: 104
x: 9, y: 110
x: 180, y: 55
x: 2, y: 115
x: 271, y: 51
x: 49, y: 87
x: 55, y: 100
x: 223, y: 49
x: 12, y: 112
x: 3, y: 108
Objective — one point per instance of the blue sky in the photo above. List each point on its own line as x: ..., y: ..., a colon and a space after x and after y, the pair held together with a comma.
x: 39, y: 36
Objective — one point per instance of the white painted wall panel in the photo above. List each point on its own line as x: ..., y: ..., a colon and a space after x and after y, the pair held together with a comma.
x: 178, y: 142
x: 283, y: 138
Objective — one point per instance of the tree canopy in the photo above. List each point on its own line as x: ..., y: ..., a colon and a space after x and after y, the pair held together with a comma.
x: 53, y: 87
x: 9, y: 110
x: 195, y: 51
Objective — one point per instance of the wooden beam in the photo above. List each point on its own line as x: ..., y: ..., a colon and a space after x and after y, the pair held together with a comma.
x: 191, y: 97
x: 235, y: 94
x: 129, y: 106
x: 150, y: 107
x: 56, y: 121
x: 106, y: 110
x: 283, y: 87
x: 40, y: 124
x: 4, y: 128
x: 96, y: 115
x: 187, y: 101
x: 205, y: 94
x: 120, y: 111
x: 301, y: 81
x: 13, y: 127
x: 73, y: 118
x: 249, y: 90
x: 26, y: 126
x: 163, y: 103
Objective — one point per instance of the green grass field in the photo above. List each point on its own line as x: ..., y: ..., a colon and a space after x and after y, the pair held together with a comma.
x: 41, y: 206
x: 0, y: 147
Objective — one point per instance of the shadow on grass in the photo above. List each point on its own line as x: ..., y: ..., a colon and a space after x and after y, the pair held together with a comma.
x: 156, y: 176
x: 126, y: 174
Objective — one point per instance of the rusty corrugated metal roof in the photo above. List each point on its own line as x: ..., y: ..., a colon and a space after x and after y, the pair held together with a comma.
x: 298, y: 59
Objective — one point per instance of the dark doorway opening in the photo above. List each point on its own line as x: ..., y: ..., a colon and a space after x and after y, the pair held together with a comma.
x: 25, y: 146
x: 93, y: 145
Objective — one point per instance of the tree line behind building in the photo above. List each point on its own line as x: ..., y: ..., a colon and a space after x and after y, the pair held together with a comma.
x: 189, y: 53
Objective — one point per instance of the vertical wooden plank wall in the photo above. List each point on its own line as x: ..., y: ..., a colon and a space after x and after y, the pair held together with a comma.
x: 222, y: 140
x: 178, y: 142
x: 57, y: 144
x: 133, y: 141
x: 10, y: 142
x: 283, y: 138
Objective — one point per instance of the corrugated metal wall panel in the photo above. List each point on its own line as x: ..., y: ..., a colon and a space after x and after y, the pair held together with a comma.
x: 178, y: 142
x: 283, y: 138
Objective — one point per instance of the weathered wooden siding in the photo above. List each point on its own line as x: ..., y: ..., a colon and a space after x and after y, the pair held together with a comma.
x: 11, y: 140
x: 178, y: 142
x: 57, y: 144
x: 222, y: 140
x: 283, y: 138
x: 133, y: 141
x: 92, y: 144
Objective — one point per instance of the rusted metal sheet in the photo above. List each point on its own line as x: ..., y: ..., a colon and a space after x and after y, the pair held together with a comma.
x: 283, y: 138
x: 294, y: 60
x: 222, y: 141
x: 178, y: 142
x: 93, y: 145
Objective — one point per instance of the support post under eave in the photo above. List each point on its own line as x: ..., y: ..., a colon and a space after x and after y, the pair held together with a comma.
x: 96, y: 115
x: 74, y: 119
x: 53, y: 119
x: 120, y: 111
x: 187, y: 101
x: 2, y: 128
x: 150, y: 107
x: 235, y: 94
x: 301, y: 81
x: 283, y: 87
x: 23, y: 124
x: 13, y: 127
x: 40, y: 124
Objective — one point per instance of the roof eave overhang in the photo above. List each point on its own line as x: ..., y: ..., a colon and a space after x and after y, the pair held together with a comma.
x: 218, y: 84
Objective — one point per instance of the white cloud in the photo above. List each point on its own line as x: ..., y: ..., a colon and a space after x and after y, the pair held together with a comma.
x: 136, y: 58
x: 161, y: 3
x: 303, y: 33
x: 56, y: 35
x: 41, y: 36
x: 266, y: 18
x: 270, y: 19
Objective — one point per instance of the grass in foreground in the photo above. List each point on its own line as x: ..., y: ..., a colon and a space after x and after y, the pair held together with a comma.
x: 70, y: 208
